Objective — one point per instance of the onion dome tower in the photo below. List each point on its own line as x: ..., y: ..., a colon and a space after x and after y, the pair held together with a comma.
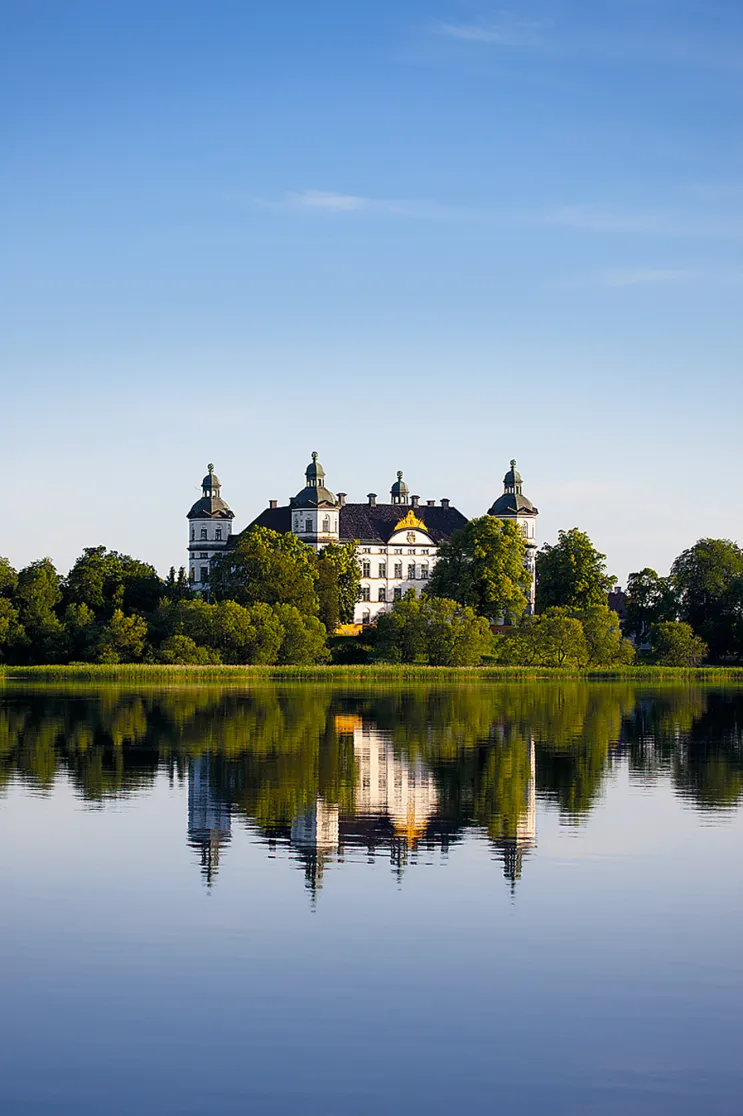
x: 399, y: 493
x: 514, y: 506
x: 210, y: 527
x: 315, y: 510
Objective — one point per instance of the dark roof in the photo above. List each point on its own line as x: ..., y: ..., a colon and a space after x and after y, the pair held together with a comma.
x: 371, y: 524
x: 210, y: 507
x: 376, y: 523
x: 513, y: 503
x: 314, y: 496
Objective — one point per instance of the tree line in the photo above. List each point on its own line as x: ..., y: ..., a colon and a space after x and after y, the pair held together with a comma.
x: 272, y: 599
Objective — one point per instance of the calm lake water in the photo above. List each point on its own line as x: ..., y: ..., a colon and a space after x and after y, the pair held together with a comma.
x: 347, y: 902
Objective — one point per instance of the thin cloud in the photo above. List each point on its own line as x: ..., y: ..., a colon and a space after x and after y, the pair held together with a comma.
x: 644, y: 276
x: 641, y: 44
x: 416, y: 208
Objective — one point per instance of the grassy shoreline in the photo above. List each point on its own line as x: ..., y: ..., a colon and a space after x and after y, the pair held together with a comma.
x: 240, y: 675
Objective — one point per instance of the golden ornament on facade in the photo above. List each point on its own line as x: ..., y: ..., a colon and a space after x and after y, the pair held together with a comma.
x: 411, y: 520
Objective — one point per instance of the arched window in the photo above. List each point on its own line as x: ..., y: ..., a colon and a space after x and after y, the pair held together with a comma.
x: 326, y: 523
x: 382, y: 594
x: 411, y: 571
x: 366, y: 569
x: 204, y: 533
x: 218, y: 533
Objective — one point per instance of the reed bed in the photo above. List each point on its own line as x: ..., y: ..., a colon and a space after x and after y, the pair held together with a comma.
x: 139, y: 673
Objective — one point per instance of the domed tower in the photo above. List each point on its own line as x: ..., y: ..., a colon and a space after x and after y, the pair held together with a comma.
x: 515, y: 506
x: 315, y: 510
x: 209, y: 529
x: 399, y: 493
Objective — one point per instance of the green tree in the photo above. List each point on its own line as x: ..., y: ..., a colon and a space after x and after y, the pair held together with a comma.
x: 675, y: 643
x: 550, y: 639
x: 708, y: 578
x: 650, y: 600
x: 454, y: 634
x: 267, y: 566
x: 105, y: 580
x: 400, y: 635
x: 246, y: 635
x: 482, y: 567
x: 602, y: 631
x: 11, y: 630
x: 304, y: 638
x: 81, y: 632
x: 432, y: 630
x: 572, y: 573
x: 8, y: 578
x: 339, y: 578
x: 36, y: 598
x: 181, y: 649
x: 177, y: 587
x: 123, y: 639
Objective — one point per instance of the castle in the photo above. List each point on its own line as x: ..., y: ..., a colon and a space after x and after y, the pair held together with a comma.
x: 397, y: 544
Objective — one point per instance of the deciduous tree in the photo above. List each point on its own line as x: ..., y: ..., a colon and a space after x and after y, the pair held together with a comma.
x: 572, y: 573
x: 482, y: 567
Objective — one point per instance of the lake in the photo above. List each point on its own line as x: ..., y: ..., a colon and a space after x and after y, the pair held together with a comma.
x: 358, y: 900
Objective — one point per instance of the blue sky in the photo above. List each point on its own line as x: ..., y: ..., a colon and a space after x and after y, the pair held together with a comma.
x: 429, y: 236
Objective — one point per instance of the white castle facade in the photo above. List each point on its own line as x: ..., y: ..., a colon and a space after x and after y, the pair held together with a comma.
x: 397, y: 543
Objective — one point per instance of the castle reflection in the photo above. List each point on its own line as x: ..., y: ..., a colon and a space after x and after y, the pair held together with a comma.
x: 394, y: 808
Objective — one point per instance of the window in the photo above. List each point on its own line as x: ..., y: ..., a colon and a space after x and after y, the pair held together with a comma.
x: 382, y: 569
x: 308, y: 526
x: 365, y: 593
x: 366, y: 569
x: 204, y: 533
x: 218, y: 533
x: 326, y: 523
x: 204, y: 573
x: 424, y: 572
x: 426, y: 551
x: 525, y: 530
x: 365, y: 618
x: 366, y: 550
x: 204, y: 554
x: 411, y: 571
x: 398, y: 550
x: 398, y: 569
x: 193, y: 533
x: 397, y: 593
x: 382, y: 594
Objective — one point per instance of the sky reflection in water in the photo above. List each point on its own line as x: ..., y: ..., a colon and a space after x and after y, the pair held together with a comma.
x: 347, y: 902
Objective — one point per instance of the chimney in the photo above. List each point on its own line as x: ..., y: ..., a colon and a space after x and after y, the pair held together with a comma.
x: 415, y: 501
x: 444, y: 503
x: 342, y: 498
x: 372, y: 498
x: 430, y: 503
x: 273, y: 503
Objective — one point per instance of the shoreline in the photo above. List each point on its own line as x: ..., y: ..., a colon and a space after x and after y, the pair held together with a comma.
x: 206, y: 675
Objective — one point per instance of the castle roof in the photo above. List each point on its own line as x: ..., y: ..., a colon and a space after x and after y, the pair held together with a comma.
x: 314, y: 494
x: 211, y: 505
x: 371, y: 523
x: 513, y: 501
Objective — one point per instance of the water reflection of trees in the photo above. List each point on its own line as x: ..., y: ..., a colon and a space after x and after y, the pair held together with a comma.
x: 276, y: 753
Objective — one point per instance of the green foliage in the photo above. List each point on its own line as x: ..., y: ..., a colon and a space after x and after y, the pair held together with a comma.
x: 81, y: 631
x: 177, y: 586
x: 603, y: 634
x: 269, y: 567
x: 122, y: 639
x: 708, y: 578
x: 562, y: 637
x: 572, y: 573
x: 675, y: 644
x: 433, y: 630
x: 105, y: 581
x: 238, y: 634
x: 339, y: 578
x: 482, y: 567
x: 304, y: 639
x: 551, y: 639
x: 11, y: 631
x: 8, y: 578
x: 650, y: 600
x: 182, y: 649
